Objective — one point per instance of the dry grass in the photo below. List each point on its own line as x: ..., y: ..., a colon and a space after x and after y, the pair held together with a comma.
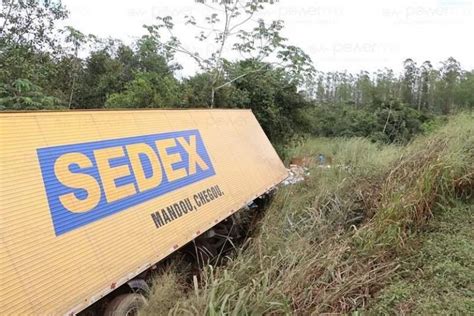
x: 330, y: 244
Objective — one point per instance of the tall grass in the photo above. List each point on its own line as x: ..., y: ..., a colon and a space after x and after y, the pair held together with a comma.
x: 330, y: 243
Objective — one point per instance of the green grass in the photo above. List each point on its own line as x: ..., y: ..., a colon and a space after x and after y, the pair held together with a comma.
x: 438, y: 276
x: 339, y: 242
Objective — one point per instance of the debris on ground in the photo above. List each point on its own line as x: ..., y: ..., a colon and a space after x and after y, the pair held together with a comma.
x: 296, y: 174
x: 305, y: 162
x: 299, y: 167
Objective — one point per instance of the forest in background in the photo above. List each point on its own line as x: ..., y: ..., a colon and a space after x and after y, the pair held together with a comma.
x: 44, y: 67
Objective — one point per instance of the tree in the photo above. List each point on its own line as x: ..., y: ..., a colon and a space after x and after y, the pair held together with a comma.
x: 147, y: 90
x: 364, y: 87
x: 27, y: 37
x: 102, y: 75
x: 450, y: 75
x: 385, y: 85
x: 465, y: 91
x: 196, y: 90
x: 24, y: 95
x: 77, y: 39
x: 227, y: 27
x: 31, y: 23
x: 426, y: 85
x: 107, y: 69
x: 273, y: 97
x: 396, y: 122
x: 28, y: 45
x: 409, y: 82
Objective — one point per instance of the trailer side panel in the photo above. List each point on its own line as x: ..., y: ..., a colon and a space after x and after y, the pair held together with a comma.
x: 91, y: 199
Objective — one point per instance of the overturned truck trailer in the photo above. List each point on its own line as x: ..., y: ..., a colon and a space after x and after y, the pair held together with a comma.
x: 90, y: 200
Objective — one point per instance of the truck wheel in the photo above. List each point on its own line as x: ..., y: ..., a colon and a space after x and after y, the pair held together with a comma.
x: 125, y: 305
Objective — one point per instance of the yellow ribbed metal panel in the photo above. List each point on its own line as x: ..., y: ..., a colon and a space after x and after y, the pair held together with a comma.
x: 76, y: 208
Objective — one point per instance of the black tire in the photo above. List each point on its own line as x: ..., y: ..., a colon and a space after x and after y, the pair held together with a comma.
x: 125, y: 305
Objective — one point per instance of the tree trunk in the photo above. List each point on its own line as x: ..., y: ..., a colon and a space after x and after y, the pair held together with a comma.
x: 75, y: 69
x: 6, y: 17
x: 213, y: 94
x: 72, y: 91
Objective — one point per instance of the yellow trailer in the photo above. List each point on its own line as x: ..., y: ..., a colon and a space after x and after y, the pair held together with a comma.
x: 91, y: 199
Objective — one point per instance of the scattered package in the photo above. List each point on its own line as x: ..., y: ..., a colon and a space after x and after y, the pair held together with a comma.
x: 296, y: 174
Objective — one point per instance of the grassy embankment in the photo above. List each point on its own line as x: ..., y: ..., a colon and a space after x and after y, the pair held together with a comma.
x: 386, y: 230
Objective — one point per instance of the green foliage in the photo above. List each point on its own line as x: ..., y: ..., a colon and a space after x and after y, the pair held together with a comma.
x: 422, y: 88
x: 274, y: 99
x: 101, y: 77
x: 388, y: 122
x: 465, y: 91
x: 24, y: 95
x: 28, y: 41
x: 267, y: 91
x: 196, y: 91
x: 256, y: 40
x: 30, y: 23
x: 147, y: 90
x: 400, y: 123
x: 434, y: 124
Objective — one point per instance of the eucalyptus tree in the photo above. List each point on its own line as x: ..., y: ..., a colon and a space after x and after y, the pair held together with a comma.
x: 451, y: 73
x: 76, y: 39
x: 320, y: 90
x: 364, y: 87
x: 386, y: 85
x: 427, y: 82
x: 344, y: 88
x: 409, y: 82
x: 465, y: 90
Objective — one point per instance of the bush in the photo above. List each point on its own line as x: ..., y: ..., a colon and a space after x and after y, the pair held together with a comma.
x: 147, y: 90
x: 22, y: 94
x: 387, y: 122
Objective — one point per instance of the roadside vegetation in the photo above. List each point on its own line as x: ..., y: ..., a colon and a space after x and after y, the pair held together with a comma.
x: 48, y: 66
x: 386, y: 229
x: 437, y: 276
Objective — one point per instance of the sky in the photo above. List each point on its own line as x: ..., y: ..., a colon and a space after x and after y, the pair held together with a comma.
x: 338, y: 35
